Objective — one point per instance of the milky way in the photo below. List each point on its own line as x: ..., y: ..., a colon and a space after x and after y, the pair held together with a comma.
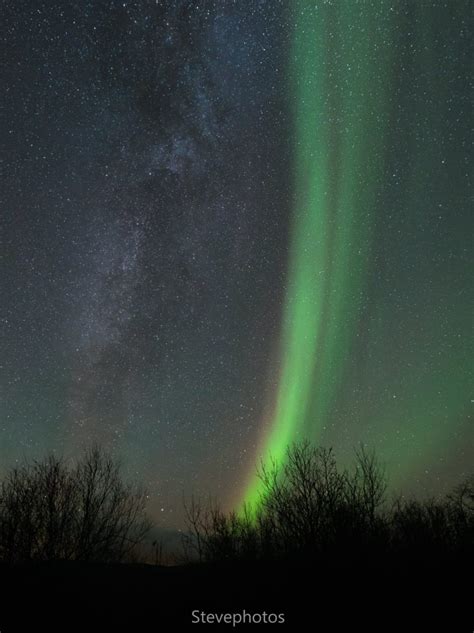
x: 230, y: 225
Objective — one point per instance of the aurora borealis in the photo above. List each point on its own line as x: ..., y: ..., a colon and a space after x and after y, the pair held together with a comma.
x: 233, y: 225
x: 341, y: 77
x: 338, y: 73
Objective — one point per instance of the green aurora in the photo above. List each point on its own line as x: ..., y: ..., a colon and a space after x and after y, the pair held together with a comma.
x: 341, y: 78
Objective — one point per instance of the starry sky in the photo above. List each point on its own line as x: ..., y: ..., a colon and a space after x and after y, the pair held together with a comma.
x: 228, y: 225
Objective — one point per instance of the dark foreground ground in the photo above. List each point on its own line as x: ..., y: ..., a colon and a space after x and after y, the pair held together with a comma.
x: 365, y: 595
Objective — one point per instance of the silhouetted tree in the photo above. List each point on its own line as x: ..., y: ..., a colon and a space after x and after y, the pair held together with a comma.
x: 49, y: 511
x: 313, y: 505
x: 461, y: 514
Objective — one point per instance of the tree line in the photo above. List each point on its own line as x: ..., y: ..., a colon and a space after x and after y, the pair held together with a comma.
x: 309, y: 509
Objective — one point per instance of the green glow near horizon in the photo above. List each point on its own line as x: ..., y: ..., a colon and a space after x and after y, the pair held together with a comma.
x: 337, y: 73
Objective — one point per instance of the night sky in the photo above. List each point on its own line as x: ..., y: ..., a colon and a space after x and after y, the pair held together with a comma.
x: 228, y: 225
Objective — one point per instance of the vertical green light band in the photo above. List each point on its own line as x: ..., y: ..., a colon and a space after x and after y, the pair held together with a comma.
x: 338, y: 70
